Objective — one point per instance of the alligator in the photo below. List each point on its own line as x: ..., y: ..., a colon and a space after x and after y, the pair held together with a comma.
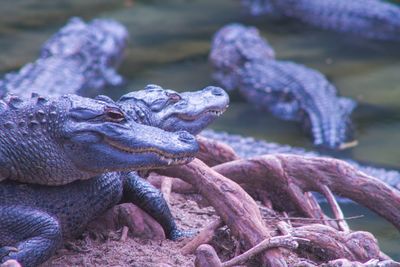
x: 49, y: 223
x: 243, y: 59
x: 373, y: 19
x: 173, y: 111
x: 80, y: 58
x: 55, y: 141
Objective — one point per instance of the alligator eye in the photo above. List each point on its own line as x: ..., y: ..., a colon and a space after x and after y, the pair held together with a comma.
x: 114, y: 114
x: 174, y: 97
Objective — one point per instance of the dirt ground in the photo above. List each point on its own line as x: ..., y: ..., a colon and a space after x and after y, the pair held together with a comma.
x: 107, y: 250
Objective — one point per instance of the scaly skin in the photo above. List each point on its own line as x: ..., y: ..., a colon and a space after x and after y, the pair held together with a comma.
x: 290, y: 91
x: 47, y: 222
x: 173, y: 111
x: 80, y: 57
x: 372, y: 19
x: 60, y: 140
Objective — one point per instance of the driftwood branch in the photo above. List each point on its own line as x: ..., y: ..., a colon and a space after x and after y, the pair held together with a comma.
x: 279, y: 241
x: 291, y: 175
x: 213, y: 152
x: 337, y: 211
x: 166, y: 187
x: 203, y: 237
x: 207, y: 257
x: 177, y: 186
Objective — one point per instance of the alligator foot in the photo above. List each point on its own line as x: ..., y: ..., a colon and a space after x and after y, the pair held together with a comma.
x: 35, y: 234
x: 150, y: 199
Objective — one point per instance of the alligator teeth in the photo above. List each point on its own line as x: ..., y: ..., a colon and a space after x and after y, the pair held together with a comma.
x: 176, y: 161
x: 169, y: 158
x: 216, y: 112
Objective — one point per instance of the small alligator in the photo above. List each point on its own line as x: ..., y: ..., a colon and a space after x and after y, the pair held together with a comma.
x: 79, y: 58
x: 173, y: 111
x: 290, y: 91
x: 372, y: 19
x: 45, y: 224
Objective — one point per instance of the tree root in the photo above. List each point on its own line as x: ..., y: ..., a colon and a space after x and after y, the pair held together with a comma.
x: 203, y: 237
x: 236, y: 208
x: 213, y: 152
x: 325, y: 243
x: 292, y: 176
x: 166, y: 187
x: 288, y: 180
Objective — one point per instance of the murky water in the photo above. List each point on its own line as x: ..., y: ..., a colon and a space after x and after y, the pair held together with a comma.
x: 169, y: 43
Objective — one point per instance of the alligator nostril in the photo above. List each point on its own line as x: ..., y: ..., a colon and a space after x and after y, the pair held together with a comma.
x: 185, y: 137
x: 217, y: 91
x: 152, y: 87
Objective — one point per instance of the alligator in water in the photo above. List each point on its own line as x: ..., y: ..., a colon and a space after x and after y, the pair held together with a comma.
x: 243, y: 59
x: 372, y: 19
x: 80, y: 58
x: 48, y: 223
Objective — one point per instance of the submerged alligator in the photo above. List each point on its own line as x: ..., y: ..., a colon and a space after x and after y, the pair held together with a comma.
x: 243, y: 59
x: 45, y: 223
x: 374, y: 19
x: 80, y: 58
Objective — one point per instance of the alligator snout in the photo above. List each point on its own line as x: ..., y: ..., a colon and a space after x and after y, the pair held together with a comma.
x: 186, y: 137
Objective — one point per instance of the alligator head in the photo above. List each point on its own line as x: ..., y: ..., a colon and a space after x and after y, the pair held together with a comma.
x: 230, y: 51
x: 98, y: 46
x: 173, y: 111
x: 63, y: 139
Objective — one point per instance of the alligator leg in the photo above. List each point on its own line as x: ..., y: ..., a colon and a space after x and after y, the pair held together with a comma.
x: 143, y: 194
x: 27, y: 235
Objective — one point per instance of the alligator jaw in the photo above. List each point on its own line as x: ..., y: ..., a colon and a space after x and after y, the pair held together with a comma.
x: 213, y: 112
x: 168, y: 158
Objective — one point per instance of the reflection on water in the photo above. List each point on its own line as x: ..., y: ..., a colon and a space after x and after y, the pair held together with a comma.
x: 169, y: 43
